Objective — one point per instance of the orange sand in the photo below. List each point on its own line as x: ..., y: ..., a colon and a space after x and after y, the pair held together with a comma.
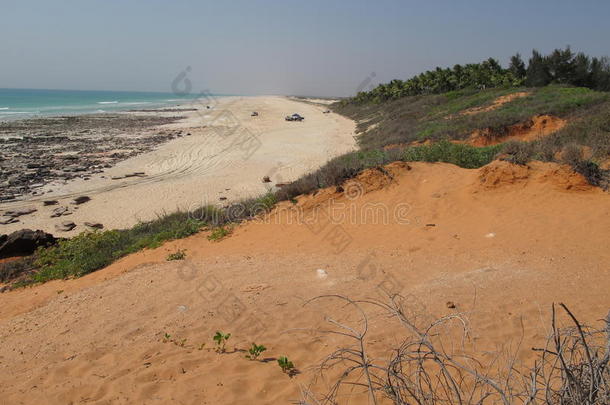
x: 502, y: 243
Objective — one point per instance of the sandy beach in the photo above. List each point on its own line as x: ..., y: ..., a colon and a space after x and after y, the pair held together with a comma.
x: 225, y: 157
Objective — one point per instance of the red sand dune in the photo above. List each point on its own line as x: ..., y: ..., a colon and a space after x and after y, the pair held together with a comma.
x: 502, y: 243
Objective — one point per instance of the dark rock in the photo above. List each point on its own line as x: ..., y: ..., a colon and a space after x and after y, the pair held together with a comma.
x: 50, y: 202
x: 81, y: 200
x: 95, y: 225
x: 24, y: 242
x: 450, y: 304
x: 59, y: 211
x: 266, y: 179
x: 19, y: 212
x: 65, y: 226
x: 5, y: 220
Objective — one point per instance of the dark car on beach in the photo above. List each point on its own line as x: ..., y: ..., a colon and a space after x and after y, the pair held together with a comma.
x: 294, y: 117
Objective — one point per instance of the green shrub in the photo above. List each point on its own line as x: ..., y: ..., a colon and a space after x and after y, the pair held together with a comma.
x: 462, y: 155
x: 336, y: 171
x: 91, y: 251
x: 590, y: 170
x: 517, y: 152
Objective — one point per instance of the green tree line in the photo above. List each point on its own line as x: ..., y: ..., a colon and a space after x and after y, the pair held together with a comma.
x: 560, y: 66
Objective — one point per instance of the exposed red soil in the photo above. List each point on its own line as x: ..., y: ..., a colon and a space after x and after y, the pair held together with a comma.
x: 496, y: 104
x: 537, y: 127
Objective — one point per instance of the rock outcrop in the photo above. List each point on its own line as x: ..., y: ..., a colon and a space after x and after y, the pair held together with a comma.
x: 24, y: 242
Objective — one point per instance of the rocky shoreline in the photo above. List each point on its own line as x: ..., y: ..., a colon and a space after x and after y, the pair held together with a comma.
x: 35, y: 152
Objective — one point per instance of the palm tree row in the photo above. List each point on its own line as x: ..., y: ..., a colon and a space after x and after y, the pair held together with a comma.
x: 561, y: 66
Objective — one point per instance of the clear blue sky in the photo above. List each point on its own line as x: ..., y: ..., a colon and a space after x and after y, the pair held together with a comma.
x: 311, y: 47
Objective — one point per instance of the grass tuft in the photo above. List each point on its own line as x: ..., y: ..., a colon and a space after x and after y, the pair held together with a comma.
x: 219, y: 233
x: 178, y: 255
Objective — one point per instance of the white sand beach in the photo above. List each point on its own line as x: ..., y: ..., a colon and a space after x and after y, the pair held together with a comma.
x: 225, y: 158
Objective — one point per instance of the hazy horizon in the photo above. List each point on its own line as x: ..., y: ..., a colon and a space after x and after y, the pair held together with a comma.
x: 270, y: 47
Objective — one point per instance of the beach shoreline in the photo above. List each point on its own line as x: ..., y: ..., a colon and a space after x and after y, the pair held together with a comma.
x: 212, y: 152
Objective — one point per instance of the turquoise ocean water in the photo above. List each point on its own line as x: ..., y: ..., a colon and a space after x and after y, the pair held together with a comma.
x: 28, y: 103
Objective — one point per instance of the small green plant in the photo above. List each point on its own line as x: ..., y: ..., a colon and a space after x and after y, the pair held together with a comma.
x: 221, y: 341
x: 201, y: 346
x: 181, y: 343
x: 167, y: 337
x: 285, y: 364
x: 219, y: 233
x: 179, y: 255
x: 254, y: 351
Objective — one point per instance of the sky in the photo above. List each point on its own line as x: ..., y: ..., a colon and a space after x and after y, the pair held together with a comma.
x: 306, y: 47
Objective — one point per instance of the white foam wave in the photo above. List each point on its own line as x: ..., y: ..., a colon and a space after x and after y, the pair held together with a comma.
x: 4, y: 108
x: 17, y: 112
x: 108, y: 102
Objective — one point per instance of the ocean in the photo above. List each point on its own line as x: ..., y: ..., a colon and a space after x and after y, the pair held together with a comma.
x: 29, y: 103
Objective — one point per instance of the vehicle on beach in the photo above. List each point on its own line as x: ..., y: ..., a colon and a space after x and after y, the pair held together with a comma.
x: 294, y: 117
x: 326, y: 112
x: 254, y: 114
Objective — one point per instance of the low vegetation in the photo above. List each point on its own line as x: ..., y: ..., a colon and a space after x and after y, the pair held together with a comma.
x: 221, y: 340
x: 255, y: 351
x: 461, y: 155
x: 91, y: 251
x: 219, y: 233
x: 13, y: 269
x: 435, y: 117
x: 286, y: 365
x: 178, y: 255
